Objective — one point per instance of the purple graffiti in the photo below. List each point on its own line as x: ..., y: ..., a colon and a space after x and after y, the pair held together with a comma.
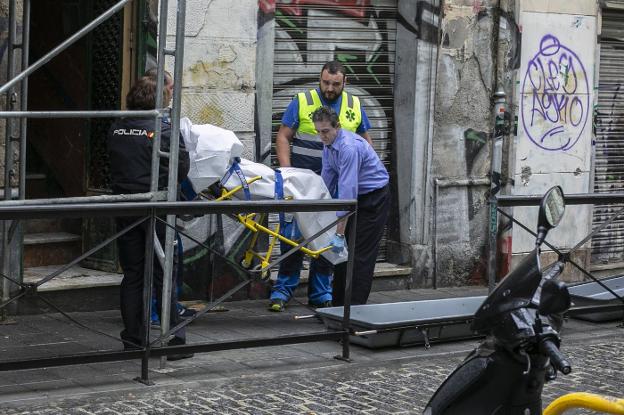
x: 555, y: 99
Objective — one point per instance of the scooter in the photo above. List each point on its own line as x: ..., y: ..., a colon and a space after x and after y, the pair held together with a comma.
x: 521, y: 319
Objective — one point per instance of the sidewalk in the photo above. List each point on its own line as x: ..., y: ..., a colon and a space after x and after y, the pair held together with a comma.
x: 52, y: 334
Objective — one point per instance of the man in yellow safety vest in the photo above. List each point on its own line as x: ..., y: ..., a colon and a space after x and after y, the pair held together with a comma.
x: 299, y: 145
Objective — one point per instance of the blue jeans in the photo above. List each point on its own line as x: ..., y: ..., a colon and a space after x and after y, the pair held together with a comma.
x: 320, y: 275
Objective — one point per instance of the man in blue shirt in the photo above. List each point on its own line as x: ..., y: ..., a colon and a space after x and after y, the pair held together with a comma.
x: 298, y: 145
x: 352, y: 169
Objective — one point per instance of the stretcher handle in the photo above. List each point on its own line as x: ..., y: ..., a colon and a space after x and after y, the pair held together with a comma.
x: 364, y: 332
x: 304, y: 317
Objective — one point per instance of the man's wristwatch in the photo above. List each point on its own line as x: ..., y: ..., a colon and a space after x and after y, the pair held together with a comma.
x: 340, y: 235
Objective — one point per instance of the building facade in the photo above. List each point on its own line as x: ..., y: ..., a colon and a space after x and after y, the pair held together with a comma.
x: 428, y: 73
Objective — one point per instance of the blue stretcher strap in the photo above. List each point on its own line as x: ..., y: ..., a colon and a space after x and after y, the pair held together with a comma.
x: 279, y: 194
x: 186, y: 188
x: 235, y: 168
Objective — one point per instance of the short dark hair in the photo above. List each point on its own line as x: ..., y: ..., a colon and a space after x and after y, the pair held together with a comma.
x: 325, y: 114
x: 153, y: 73
x: 142, y: 95
x: 333, y: 67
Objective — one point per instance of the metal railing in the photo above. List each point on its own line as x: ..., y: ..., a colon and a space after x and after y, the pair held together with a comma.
x: 152, y: 212
x: 502, y: 201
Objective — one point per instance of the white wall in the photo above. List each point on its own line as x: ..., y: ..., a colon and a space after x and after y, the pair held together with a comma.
x: 219, y: 64
x: 555, y: 106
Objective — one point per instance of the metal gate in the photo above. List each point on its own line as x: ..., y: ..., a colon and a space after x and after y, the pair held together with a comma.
x: 359, y: 33
x: 608, y: 245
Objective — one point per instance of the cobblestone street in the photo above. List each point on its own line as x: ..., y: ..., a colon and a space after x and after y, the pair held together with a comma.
x: 377, y: 387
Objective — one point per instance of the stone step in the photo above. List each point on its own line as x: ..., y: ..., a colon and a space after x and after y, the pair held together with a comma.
x: 82, y: 289
x: 50, y: 248
x: 50, y: 225
x: 74, y: 278
x: 77, y: 289
x: 49, y: 238
x: 387, y: 277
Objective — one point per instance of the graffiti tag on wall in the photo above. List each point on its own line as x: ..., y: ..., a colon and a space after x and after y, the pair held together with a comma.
x: 555, y: 100
x: 426, y: 23
x: 355, y: 8
x: 310, y: 32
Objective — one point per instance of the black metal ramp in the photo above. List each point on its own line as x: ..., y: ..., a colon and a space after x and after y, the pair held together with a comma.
x: 594, y: 296
x: 407, y: 323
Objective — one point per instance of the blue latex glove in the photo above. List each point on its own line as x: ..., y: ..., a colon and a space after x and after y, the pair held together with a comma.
x: 338, y: 243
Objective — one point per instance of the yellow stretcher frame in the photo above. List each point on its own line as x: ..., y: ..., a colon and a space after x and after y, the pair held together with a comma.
x: 250, y: 222
x: 601, y: 403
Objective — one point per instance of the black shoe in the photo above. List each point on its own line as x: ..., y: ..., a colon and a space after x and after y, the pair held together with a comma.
x: 185, y: 313
x: 176, y: 341
x: 129, y: 346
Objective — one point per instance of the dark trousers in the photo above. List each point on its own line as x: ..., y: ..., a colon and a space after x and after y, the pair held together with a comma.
x: 372, y: 213
x: 131, y: 247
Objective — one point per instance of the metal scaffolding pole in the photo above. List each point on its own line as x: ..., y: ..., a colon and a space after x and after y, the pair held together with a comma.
x: 24, y: 100
x: 83, y: 114
x: 155, y: 176
x: 8, y: 156
x: 172, y: 182
x: 160, y: 78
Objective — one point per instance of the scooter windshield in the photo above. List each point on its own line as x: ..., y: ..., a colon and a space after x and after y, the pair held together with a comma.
x: 515, y: 291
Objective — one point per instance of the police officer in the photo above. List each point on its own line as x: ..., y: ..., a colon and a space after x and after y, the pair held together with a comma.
x: 352, y: 168
x: 298, y: 145
x: 130, y: 151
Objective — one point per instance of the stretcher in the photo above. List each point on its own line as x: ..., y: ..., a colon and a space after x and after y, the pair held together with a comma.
x: 218, y: 172
x: 254, y: 223
x: 409, y: 323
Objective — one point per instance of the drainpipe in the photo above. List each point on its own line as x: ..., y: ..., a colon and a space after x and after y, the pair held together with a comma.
x: 496, y: 150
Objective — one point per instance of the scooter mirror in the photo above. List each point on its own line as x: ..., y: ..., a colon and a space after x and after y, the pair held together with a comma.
x: 554, y: 298
x: 552, y: 208
x: 551, y: 211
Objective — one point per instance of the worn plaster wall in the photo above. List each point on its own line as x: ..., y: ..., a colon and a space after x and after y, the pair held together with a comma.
x: 555, y: 86
x: 219, y: 64
x: 475, y: 58
x: 4, y: 43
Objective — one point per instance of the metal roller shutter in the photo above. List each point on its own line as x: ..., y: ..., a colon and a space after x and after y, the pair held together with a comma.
x: 359, y: 33
x: 608, y: 245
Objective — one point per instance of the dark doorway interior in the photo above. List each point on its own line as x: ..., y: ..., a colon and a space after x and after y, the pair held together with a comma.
x: 67, y: 157
x: 85, y: 76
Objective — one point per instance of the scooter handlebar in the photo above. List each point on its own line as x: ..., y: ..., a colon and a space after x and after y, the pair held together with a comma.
x: 558, y: 360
